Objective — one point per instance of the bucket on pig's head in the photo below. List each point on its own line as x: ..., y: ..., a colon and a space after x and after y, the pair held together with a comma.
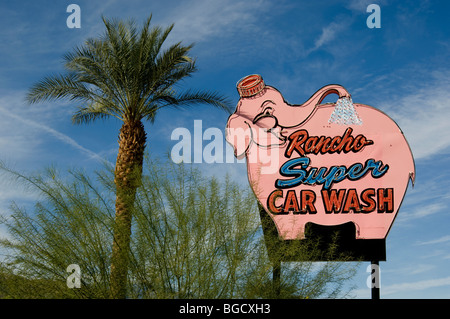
x: 250, y: 85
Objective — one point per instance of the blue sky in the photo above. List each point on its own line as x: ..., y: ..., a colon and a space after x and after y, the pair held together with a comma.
x: 298, y: 47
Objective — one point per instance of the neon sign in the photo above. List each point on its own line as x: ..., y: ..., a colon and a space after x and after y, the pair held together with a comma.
x: 325, y: 163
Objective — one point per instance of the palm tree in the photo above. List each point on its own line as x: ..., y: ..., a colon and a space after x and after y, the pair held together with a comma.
x: 126, y: 74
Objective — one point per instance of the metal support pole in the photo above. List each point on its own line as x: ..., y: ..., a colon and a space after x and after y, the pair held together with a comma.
x: 375, y: 279
x: 276, y: 278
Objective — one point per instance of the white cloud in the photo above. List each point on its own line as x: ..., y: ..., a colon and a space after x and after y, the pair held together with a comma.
x: 202, y: 19
x: 442, y: 239
x: 329, y: 33
x: 361, y: 5
x: 418, y: 285
x: 401, y: 289
x: 24, y: 130
x: 60, y: 136
x: 421, y: 212
x: 417, y: 269
x: 423, y: 112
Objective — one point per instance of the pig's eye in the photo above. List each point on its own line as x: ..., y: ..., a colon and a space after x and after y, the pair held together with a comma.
x: 268, y: 111
x: 265, y: 116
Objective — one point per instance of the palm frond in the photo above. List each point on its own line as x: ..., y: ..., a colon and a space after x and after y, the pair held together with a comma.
x: 188, y: 99
x: 125, y: 73
x: 92, y: 112
x: 58, y: 87
x: 204, y: 97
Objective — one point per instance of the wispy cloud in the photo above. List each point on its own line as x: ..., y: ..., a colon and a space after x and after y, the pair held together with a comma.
x: 418, y: 269
x: 440, y: 240
x: 26, y: 122
x: 421, y: 212
x: 407, y: 287
x: 418, y: 285
x: 361, y: 5
x: 418, y: 98
x: 200, y: 20
x: 330, y: 32
x: 60, y: 136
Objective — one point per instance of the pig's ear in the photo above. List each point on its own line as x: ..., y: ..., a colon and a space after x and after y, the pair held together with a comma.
x: 239, y: 134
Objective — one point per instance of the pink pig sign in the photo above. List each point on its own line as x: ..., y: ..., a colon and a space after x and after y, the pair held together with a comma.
x: 322, y: 163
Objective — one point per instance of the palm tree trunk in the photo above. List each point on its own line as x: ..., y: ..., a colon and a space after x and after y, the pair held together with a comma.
x: 128, y: 173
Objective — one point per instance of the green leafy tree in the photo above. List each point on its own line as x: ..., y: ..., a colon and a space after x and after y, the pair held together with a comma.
x: 128, y: 75
x: 193, y: 237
